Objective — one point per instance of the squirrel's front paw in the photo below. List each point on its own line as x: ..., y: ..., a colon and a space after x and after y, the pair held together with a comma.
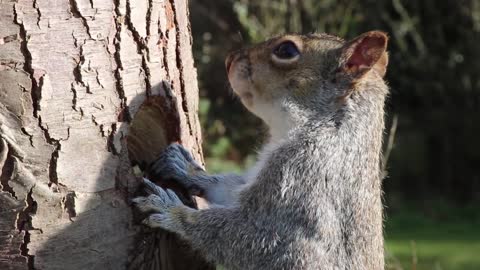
x: 176, y: 163
x: 159, y: 200
x: 162, y: 203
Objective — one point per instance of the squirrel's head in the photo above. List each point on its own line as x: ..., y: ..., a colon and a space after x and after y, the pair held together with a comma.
x: 306, y: 74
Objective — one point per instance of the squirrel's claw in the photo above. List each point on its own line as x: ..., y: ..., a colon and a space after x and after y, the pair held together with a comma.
x: 159, y: 199
x: 151, y: 188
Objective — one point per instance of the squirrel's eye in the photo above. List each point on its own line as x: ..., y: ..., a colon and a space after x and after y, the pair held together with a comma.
x: 286, y: 50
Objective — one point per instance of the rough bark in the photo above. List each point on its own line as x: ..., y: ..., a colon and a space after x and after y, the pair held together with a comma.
x: 88, y: 87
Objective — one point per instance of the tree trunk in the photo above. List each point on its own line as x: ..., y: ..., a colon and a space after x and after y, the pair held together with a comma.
x: 88, y: 88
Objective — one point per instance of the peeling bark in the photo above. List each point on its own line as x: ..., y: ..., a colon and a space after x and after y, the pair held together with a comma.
x: 88, y: 87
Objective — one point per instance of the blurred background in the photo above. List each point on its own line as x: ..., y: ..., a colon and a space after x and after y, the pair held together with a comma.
x: 432, y: 191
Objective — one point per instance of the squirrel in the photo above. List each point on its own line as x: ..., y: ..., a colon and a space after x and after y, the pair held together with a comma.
x: 313, y: 199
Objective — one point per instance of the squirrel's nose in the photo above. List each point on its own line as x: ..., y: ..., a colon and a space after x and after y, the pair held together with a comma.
x: 229, y: 61
x: 231, y: 57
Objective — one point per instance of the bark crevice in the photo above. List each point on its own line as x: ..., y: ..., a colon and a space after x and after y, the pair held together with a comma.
x: 110, y: 141
x: 68, y: 204
x: 125, y: 112
x: 74, y: 98
x: 30, y: 136
x: 6, y: 168
x: 24, y: 224
x: 163, y: 39
x: 39, y: 13
x: 178, y: 59
x: 77, y: 70
x: 52, y: 167
x: 149, y: 17
x: 75, y: 11
x: 36, y: 92
x: 142, y: 47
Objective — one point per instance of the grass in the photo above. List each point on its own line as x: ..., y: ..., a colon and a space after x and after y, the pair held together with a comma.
x: 418, y: 242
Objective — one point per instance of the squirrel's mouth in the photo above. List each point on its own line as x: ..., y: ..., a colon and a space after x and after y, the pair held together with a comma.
x: 246, y: 95
x: 247, y: 98
x: 240, y: 90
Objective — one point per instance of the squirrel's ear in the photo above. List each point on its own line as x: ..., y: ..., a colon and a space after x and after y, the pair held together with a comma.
x: 364, y: 53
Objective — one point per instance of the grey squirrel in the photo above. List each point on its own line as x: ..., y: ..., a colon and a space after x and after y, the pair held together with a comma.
x: 313, y: 199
